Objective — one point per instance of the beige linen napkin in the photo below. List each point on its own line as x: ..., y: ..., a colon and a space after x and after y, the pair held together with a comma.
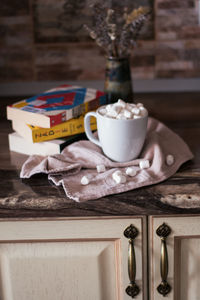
x: 81, y: 158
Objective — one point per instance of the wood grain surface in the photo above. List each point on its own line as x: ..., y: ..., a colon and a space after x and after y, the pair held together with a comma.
x: 36, y: 197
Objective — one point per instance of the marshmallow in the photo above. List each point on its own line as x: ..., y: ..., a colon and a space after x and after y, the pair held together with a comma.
x: 144, y: 164
x: 121, y: 103
x: 117, y: 108
x: 121, y: 116
x: 115, y: 176
x: 135, y: 111
x: 122, y: 179
x: 112, y: 114
x: 139, y: 105
x: 103, y: 111
x: 131, y: 171
x: 136, y: 117
x: 85, y: 180
x: 119, y: 177
x: 169, y: 159
x: 109, y: 107
x: 113, y: 110
x: 129, y: 106
x: 143, y: 111
x: 101, y: 168
x: 117, y: 173
x: 127, y: 114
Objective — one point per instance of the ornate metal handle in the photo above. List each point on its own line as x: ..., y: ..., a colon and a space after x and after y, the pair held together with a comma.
x: 163, y: 231
x: 130, y: 233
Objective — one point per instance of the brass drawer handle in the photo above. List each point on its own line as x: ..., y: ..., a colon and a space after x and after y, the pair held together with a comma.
x: 130, y: 233
x: 163, y: 231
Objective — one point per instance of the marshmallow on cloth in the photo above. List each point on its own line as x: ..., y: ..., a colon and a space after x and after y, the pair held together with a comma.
x: 82, y: 158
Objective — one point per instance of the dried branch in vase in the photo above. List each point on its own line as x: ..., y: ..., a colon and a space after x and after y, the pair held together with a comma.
x: 114, y: 31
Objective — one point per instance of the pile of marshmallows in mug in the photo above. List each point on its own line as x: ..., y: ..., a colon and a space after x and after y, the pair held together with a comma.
x: 124, y: 111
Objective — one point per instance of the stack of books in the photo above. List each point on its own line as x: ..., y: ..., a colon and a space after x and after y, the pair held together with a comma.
x: 48, y: 122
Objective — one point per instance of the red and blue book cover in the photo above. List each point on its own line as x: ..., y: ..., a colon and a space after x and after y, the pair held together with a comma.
x: 56, y: 105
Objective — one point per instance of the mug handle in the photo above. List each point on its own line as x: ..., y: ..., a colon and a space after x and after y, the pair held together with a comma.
x: 88, y: 131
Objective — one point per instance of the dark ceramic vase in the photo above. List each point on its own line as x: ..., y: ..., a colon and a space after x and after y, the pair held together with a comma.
x: 118, y: 84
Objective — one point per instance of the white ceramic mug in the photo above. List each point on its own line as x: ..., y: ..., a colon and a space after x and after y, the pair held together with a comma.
x: 121, y: 140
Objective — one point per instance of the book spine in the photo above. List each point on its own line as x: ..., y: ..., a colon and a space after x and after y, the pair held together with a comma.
x: 71, y: 127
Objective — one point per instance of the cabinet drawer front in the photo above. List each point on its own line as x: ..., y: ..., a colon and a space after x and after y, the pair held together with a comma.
x: 183, y: 250
x: 70, y: 259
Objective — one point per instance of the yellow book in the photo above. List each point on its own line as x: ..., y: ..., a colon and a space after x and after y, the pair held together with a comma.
x: 39, y: 134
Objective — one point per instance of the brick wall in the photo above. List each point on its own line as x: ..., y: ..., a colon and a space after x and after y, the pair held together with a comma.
x: 44, y: 40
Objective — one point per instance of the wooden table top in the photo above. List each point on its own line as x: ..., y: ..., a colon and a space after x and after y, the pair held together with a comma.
x: 25, y: 198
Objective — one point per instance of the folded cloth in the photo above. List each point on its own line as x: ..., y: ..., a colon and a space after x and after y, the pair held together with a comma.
x: 82, y: 157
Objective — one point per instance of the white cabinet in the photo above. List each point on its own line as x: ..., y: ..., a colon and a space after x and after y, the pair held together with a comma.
x: 183, y: 250
x: 92, y: 259
x: 69, y: 259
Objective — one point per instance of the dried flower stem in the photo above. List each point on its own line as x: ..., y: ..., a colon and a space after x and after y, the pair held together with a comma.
x: 116, y: 33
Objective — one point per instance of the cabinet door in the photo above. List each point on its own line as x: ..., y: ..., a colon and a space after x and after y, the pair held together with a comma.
x: 68, y: 259
x: 183, y: 250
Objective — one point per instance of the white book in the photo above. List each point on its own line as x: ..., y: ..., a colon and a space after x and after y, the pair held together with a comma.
x: 56, y: 106
x: 19, y: 144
